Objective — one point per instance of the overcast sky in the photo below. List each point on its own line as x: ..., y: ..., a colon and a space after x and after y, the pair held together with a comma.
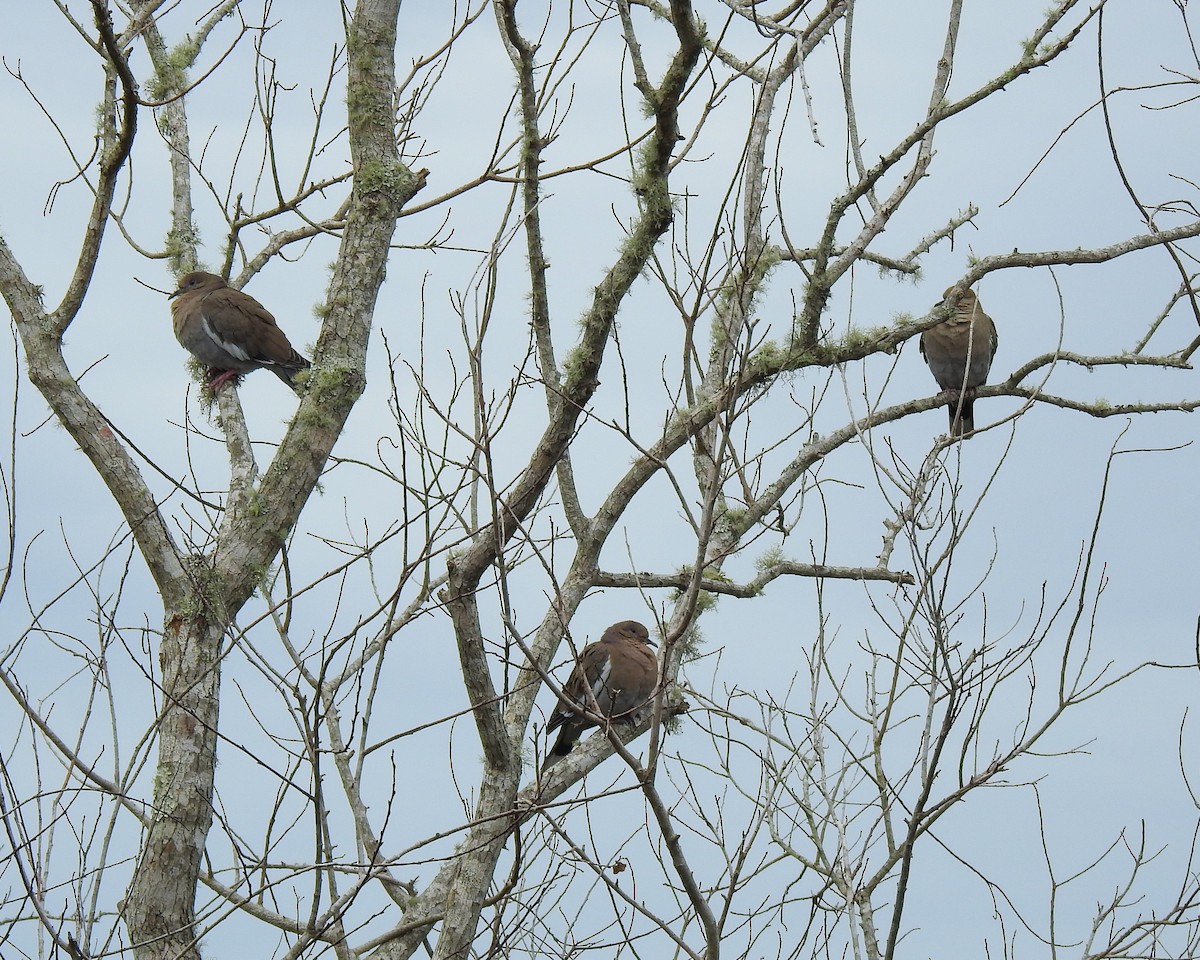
x: 1042, y: 473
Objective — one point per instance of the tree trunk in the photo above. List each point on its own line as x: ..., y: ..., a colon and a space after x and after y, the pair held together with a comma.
x: 160, y: 908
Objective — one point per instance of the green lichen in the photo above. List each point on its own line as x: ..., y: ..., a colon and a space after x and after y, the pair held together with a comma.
x: 734, y: 518
x: 199, y: 372
x: 673, y: 722
x: 856, y: 338
x: 203, y: 601
x: 191, y: 607
x: 256, y: 504
x: 768, y: 356
x: 691, y: 641
x: 171, y: 72
x: 387, y: 181
x: 705, y: 599
x: 365, y: 108
x: 334, y: 381
x: 769, y: 560
x: 264, y: 577
x: 771, y: 359
x: 577, y: 364
x: 181, y: 243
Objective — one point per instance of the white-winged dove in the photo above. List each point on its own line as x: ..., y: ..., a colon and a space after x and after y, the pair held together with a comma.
x: 959, y: 351
x: 614, y: 677
x: 229, y: 331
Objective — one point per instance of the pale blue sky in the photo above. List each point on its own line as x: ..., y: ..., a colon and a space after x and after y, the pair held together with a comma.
x: 1031, y: 525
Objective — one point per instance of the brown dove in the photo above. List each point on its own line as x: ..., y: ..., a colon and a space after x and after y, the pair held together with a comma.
x: 615, y: 677
x: 959, y: 351
x: 230, y: 332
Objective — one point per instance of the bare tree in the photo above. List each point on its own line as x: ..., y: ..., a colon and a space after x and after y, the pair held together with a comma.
x: 620, y: 369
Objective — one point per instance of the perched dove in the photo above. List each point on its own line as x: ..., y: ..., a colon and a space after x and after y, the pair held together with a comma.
x: 959, y: 351
x: 614, y: 677
x: 230, y: 332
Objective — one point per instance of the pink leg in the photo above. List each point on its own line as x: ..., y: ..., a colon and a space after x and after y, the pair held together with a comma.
x: 221, y: 379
